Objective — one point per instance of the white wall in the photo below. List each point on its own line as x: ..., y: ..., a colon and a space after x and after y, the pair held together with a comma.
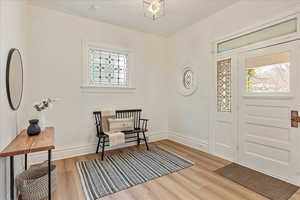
x: 53, y: 62
x: 189, y: 116
x: 13, y: 23
x: 56, y: 71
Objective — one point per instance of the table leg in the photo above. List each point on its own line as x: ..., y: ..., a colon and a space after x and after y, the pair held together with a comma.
x: 49, y: 174
x: 12, y: 178
x: 25, y: 161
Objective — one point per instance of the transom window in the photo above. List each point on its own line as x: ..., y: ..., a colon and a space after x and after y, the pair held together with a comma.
x: 107, y: 68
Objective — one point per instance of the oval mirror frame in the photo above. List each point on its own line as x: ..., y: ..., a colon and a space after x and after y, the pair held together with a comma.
x: 14, y: 99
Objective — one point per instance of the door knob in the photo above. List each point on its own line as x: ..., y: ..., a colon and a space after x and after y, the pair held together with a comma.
x: 295, y: 119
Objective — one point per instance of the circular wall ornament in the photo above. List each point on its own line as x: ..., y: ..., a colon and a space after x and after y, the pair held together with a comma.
x: 188, y: 82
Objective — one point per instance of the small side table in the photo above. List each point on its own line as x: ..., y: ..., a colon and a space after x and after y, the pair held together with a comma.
x: 24, y: 144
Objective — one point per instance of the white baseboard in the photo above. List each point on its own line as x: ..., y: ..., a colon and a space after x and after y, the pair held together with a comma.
x: 73, y: 151
x: 188, y: 141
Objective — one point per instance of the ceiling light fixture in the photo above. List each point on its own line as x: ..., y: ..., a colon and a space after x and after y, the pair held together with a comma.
x: 154, y: 8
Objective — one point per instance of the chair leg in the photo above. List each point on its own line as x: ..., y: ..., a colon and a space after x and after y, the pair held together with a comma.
x: 103, y: 145
x: 97, y: 150
x: 145, y: 140
x: 138, y: 138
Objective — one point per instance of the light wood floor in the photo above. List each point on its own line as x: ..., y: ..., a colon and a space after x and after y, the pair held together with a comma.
x: 197, y: 182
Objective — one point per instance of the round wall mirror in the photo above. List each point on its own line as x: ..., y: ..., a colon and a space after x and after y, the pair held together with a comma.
x: 14, y: 78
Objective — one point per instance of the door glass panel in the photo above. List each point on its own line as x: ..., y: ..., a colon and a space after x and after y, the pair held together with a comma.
x: 268, y: 74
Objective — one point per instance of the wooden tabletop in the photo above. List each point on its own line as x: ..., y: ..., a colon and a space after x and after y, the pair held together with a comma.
x: 24, y: 144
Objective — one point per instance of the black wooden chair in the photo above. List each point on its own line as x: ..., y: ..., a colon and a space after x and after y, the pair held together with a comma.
x: 140, y: 127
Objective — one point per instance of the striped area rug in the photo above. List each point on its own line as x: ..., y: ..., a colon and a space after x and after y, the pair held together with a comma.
x: 123, y: 170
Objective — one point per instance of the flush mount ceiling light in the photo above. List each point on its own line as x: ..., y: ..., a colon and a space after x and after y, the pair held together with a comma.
x: 154, y: 9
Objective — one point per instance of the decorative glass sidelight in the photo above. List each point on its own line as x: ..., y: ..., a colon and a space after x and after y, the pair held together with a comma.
x: 224, y: 85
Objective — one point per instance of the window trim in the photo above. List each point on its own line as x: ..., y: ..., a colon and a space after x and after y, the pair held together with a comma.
x: 85, y: 83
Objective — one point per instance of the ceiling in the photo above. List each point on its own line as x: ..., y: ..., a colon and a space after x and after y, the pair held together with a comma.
x: 129, y: 13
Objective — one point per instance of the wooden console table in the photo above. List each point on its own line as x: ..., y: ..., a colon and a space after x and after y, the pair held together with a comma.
x: 23, y: 145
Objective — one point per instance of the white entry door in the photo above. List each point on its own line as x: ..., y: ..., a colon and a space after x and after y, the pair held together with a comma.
x: 269, y: 89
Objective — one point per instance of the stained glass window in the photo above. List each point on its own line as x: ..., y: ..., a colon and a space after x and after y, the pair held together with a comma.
x: 107, y: 69
x: 224, y: 85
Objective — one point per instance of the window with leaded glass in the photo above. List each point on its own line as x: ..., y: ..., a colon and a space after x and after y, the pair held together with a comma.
x: 224, y: 85
x: 107, y: 69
